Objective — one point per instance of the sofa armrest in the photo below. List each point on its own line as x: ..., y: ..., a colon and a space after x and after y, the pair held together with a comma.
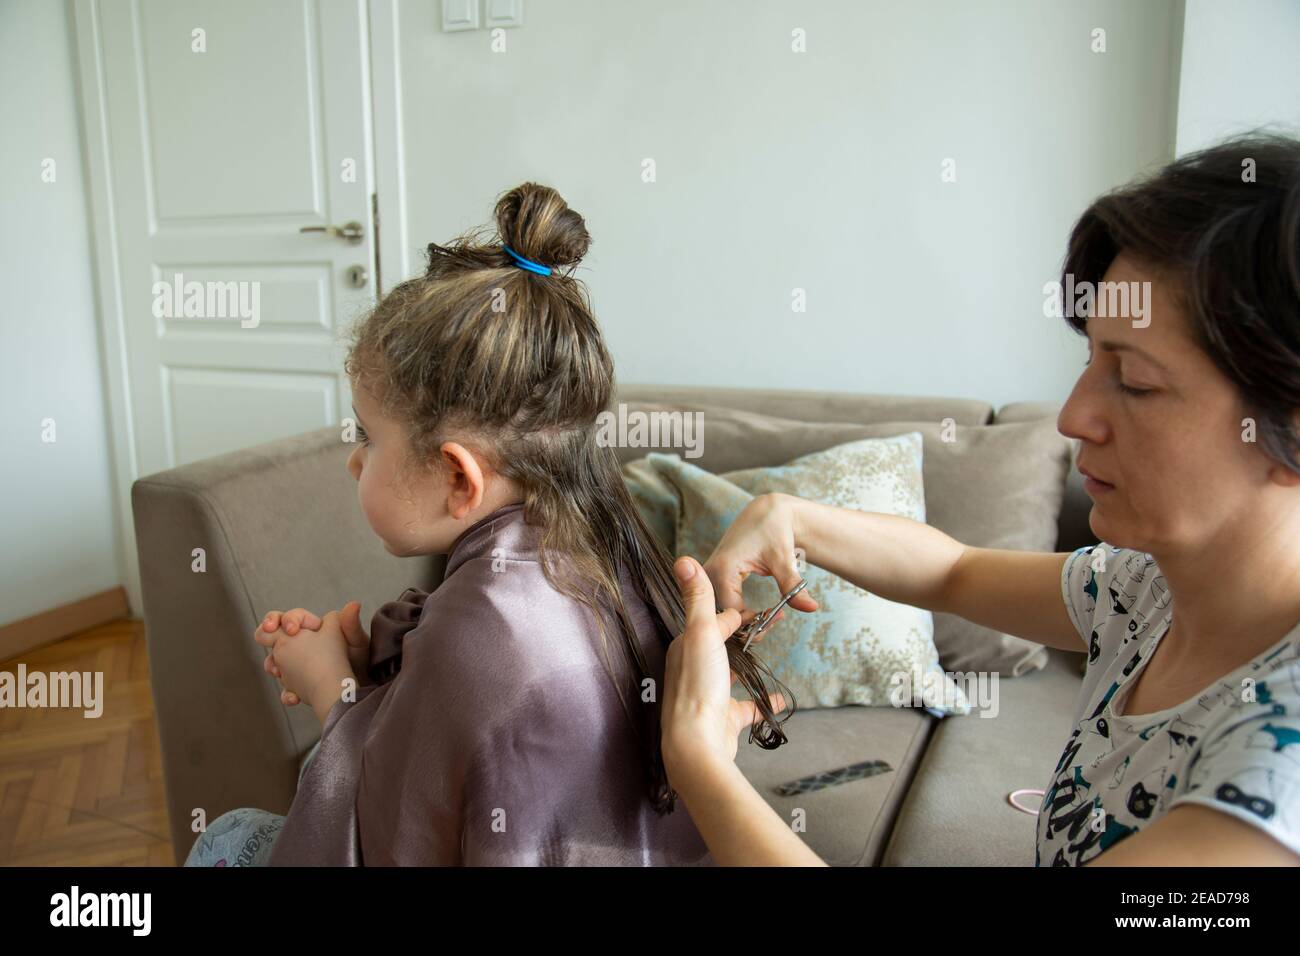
x: 221, y: 542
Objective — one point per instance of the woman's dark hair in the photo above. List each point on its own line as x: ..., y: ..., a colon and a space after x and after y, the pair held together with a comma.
x: 517, y: 359
x: 1223, y: 225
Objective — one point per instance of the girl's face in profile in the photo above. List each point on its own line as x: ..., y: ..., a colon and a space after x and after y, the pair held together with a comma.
x: 416, y: 509
x: 401, y: 502
x: 1161, y: 432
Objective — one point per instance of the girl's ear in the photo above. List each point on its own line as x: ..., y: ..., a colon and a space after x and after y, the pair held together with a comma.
x: 465, y: 477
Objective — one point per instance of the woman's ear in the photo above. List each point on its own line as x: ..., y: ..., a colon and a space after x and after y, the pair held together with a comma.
x: 1288, y: 477
x: 1281, y: 474
x: 465, y: 477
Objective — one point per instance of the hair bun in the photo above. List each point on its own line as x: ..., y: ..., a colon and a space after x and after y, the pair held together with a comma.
x: 537, y: 223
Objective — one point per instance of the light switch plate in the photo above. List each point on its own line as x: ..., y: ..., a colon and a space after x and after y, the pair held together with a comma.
x: 503, y: 13
x: 459, y: 15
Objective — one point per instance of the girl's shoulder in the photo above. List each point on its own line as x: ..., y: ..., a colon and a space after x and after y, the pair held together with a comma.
x: 497, y: 619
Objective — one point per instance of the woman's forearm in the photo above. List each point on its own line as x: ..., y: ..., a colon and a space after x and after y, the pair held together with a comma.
x: 1014, y: 592
x: 897, y: 558
x: 735, y: 821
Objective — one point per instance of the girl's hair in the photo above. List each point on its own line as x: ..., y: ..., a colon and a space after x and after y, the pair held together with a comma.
x: 1224, y: 225
x: 517, y: 360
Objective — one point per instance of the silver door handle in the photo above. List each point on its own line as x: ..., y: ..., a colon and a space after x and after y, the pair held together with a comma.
x: 350, y: 231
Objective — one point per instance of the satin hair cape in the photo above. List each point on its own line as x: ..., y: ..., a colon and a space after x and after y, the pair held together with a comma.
x: 494, y: 734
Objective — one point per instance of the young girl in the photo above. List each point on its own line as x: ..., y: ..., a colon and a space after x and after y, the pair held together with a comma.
x: 512, y: 715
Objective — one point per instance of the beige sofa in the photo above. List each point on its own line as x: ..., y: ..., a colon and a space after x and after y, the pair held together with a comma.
x: 279, y: 527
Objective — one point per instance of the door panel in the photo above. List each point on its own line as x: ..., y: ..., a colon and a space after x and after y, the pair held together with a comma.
x: 233, y: 318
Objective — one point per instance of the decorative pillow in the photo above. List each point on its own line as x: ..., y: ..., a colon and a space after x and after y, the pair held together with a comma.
x: 989, y: 486
x: 656, y: 498
x: 858, y: 648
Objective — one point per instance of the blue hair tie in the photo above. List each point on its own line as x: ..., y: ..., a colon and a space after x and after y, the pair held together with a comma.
x: 526, y: 264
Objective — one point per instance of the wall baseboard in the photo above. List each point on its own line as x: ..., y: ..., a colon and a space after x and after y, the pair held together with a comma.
x: 60, y: 622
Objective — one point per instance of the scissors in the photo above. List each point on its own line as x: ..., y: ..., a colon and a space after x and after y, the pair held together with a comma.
x: 764, y: 619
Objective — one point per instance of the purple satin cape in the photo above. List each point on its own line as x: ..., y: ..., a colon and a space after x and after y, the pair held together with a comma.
x: 494, y: 734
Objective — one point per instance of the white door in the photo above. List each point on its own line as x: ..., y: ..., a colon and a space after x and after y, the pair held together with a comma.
x: 227, y: 129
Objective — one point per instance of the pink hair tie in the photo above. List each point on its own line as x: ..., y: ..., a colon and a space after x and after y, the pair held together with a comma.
x: 1011, y: 799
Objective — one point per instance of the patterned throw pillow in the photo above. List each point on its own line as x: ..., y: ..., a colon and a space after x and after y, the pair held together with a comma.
x: 858, y: 648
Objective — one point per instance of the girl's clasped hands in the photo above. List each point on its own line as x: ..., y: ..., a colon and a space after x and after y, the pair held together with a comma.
x: 315, y: 659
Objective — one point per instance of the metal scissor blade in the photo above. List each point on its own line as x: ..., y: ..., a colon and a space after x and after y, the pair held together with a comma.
x: 765, y: 618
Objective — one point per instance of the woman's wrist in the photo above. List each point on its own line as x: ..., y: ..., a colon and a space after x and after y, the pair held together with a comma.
x: 738, y: 825
x: 792, y: 512
x: 690, y: 765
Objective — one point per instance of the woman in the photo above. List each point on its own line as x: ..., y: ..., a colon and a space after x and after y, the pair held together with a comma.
x: 1186, y: 741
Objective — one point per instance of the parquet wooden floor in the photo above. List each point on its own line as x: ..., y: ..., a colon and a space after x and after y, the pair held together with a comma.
x: 77, y: 791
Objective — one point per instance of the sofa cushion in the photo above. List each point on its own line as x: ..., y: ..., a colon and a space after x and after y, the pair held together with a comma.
x: 956, y: 812
x: 858, y: 645
x: 987, y: 486
x: 847, y: 824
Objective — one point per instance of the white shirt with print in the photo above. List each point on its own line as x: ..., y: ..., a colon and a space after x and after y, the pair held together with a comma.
x: 1234, y: 747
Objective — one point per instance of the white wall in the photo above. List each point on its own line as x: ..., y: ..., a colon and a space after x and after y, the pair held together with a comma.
x: 56, y: 510
x: 819, y: 170
x: 775, y: 170
x: 1240, y: 69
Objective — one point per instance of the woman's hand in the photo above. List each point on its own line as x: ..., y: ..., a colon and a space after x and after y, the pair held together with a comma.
x: 701, y: 721
x: 760, y: 541
x: 701, y: 724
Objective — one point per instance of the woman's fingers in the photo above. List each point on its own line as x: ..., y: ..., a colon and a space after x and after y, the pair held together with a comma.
x: 728, y: 574
x: 727, y: 621
x: 727, y: 579
x: 697, y: 598
x: 289, y: 698
x: 803, y: 601
x: 697, y: 594
x: 745, y: 712
x: 784, y: 564
x: 271, y: 622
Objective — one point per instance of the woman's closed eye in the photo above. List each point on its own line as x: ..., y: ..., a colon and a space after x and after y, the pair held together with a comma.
x: 1123, y: 386
x: 362, y: 436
